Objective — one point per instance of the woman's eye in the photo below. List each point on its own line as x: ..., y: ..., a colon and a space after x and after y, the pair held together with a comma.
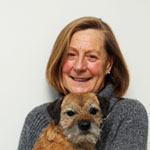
x: 71, y: 55
x: 70, y: 113
x: 92, y: 58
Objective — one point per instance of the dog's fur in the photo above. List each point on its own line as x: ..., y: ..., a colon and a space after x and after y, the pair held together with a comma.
x: 76, y: 123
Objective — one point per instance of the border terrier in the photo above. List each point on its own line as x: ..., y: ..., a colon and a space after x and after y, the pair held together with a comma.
x: 76, y: 123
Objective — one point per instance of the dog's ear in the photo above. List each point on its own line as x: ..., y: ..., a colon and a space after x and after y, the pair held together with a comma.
x: 54, y: 110
x: 104, y: 105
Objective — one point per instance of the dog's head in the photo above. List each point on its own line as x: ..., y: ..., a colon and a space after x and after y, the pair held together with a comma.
x: 79, y: 116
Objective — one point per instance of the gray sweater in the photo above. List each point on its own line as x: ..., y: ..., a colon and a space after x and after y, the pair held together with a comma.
x: 125, y: 128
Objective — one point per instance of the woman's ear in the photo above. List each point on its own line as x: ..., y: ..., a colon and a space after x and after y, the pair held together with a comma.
x: 109, y: 66
x: 54, y: 110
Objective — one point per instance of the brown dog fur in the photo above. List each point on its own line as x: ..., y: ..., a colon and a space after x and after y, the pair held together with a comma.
x: 63, y: 132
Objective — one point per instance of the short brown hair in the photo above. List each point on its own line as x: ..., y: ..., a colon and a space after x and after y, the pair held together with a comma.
x: 119, y: 75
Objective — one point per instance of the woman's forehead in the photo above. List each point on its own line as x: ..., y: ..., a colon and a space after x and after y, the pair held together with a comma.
x: 89, y: 39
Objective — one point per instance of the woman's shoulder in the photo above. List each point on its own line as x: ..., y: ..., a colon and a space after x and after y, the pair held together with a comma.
x: 38, y: 113
x: 129, y: 107
x: 126, y: 125
x: 40, y: 108
x: 131, y: 104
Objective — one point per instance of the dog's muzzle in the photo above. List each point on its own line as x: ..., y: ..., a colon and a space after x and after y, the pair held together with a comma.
x: 84, y: 125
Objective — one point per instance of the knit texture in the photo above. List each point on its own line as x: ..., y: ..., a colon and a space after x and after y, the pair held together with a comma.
x: 126, y: 127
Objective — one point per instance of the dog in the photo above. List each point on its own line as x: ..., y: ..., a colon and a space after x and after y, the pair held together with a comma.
x: 76, y: 123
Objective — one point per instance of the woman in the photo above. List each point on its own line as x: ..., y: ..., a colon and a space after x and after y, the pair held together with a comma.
x: 86, y: 58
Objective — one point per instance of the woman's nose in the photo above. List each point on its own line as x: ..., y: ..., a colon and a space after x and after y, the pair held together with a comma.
x: 80, y: 64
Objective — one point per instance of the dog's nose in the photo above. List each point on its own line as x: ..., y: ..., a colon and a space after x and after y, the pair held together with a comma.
x: 84, y: 125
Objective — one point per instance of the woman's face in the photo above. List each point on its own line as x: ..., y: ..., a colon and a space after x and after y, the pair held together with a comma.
x: 86, y: 63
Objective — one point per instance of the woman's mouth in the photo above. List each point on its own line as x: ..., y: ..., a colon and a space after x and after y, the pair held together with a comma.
x: 80, y: 79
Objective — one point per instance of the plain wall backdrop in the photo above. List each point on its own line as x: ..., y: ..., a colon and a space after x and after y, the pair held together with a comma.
x: 28, y: 29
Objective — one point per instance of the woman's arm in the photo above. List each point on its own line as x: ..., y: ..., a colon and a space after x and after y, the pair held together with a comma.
x: 35, y: 122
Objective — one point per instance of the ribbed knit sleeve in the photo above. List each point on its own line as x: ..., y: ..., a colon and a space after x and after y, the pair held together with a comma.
x: 35, y: 122
x: 126, y: 127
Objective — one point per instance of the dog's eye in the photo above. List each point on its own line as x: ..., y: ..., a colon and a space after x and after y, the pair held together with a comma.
x: 70, y: 113
x: 93, y: 111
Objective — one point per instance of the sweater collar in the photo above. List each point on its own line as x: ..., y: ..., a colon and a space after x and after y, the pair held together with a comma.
x: 107, y: 91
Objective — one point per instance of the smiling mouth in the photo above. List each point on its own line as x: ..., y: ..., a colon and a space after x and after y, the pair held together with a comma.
x: 80, y: 79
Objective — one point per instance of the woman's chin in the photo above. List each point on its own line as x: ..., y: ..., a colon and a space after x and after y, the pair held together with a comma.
x: 80, y: 90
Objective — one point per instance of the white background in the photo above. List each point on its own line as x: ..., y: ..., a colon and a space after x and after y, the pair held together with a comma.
x: 28, y: 29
